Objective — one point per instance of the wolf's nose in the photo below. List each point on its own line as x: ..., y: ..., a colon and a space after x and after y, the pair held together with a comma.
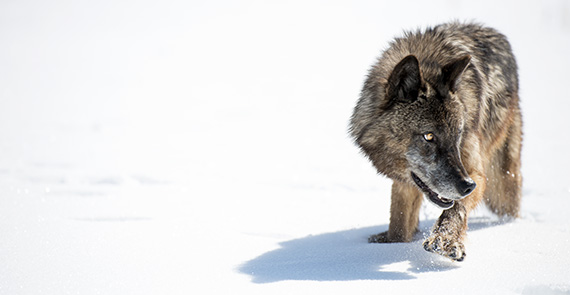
x: 466, y: 187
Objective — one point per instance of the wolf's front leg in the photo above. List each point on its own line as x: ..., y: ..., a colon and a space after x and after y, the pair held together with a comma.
x: 404, y: 214
x: 449, y: 231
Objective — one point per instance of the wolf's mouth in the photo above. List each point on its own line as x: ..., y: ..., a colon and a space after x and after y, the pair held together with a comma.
x: 441, y: 202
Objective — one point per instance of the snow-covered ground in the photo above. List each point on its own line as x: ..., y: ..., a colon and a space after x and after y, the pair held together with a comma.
x: 200, y: 147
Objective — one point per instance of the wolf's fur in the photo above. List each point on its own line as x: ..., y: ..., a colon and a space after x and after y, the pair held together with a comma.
x: 457, y: 85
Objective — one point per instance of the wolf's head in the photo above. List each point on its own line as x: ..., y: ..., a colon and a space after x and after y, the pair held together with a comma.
x: 414, y: 132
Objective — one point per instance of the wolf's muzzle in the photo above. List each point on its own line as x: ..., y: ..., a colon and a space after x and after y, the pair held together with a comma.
x: 466, y: 187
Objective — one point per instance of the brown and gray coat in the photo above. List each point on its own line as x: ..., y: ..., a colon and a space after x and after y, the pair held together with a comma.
x: 439, y: 114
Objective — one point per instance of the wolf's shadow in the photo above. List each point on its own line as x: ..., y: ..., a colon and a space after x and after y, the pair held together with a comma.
x: 346, y: 255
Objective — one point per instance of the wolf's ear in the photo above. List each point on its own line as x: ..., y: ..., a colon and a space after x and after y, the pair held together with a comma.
x: 405, y: 81
x: 452, y: 72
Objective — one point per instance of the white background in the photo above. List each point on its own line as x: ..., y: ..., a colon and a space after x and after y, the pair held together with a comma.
x: 200, y: 147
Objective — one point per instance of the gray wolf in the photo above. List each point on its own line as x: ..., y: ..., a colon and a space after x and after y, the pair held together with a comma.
x: 439, y: 114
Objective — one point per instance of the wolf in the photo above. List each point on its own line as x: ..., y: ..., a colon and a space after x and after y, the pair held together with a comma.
x: 439, y: 115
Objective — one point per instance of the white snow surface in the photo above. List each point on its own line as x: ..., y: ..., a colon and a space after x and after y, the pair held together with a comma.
x: 201, y: 147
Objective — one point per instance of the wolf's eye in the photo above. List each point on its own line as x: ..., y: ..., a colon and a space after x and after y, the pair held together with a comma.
x: 429, y: 136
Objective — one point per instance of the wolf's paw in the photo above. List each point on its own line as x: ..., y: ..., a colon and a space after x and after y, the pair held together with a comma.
x: 446, y: 246
x: 379, y: 238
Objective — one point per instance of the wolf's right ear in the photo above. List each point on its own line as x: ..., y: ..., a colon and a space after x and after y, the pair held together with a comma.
x: 405, y: 81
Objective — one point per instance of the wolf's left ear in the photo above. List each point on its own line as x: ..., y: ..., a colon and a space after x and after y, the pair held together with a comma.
x: 452, y: 72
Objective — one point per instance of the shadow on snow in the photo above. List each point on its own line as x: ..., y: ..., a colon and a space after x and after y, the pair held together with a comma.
x: 346, y: 255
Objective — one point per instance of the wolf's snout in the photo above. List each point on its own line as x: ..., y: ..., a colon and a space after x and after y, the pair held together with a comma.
x: 465, y: 187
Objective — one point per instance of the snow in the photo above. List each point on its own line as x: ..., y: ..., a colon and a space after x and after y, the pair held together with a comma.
x: 180, y: 147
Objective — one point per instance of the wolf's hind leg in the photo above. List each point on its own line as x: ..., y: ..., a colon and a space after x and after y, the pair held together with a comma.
x: 404, y: 214
x: 503, y: 195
